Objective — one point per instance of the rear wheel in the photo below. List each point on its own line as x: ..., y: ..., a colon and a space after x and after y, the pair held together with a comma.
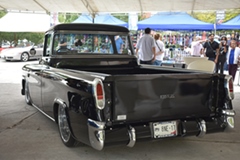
x: 64, y: 128
x: 24, y: 57
x: 27, y: 94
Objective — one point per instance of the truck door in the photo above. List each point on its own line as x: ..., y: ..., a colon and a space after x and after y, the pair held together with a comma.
x: 34, y: 82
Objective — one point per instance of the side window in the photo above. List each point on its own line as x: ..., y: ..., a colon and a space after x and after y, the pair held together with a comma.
x: 126, y: 45
x: 47, y: 45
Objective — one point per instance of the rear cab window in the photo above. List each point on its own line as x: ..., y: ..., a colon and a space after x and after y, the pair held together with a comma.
x: 94, y: 43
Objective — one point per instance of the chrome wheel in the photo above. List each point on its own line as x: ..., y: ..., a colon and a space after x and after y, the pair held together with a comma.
x: 64, y: 129
x: 24, y: 57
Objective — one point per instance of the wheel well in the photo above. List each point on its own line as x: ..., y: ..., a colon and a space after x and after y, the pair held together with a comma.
x: 26, y: 52
x: 55, y: 112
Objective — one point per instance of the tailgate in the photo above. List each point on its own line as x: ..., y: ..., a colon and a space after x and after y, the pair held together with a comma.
x: 158, y: 97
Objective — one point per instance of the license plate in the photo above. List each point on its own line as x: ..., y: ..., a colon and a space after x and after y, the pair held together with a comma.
x: 164, y: 129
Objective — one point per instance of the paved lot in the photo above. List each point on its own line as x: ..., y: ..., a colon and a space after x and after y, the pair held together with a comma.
x: 26, y: 134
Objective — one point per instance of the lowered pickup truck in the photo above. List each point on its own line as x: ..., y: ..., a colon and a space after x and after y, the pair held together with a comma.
x: 100, y: 95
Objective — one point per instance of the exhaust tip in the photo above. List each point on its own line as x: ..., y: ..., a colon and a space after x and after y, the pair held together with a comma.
x: 132, y: 136
x: 202, y: 128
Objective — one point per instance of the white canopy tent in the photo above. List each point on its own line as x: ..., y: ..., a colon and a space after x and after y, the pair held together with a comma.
x: 24, y: 22
x: 117, y: 6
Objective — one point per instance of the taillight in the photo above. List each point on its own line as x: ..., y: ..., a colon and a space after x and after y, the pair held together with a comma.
x: 99, y: 91
x: 99, y: 94
x: 229, y: 86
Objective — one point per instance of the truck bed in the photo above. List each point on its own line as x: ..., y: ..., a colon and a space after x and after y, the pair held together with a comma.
x: 161, y: 96
x: 157, y: 93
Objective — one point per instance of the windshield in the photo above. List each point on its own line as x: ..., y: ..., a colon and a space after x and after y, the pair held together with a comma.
x: 90, y: 43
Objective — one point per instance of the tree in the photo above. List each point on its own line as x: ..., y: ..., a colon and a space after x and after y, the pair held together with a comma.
x: 67, y: 17
x: 210, y: 16
x: 2, y: 13
x: 36, y: 38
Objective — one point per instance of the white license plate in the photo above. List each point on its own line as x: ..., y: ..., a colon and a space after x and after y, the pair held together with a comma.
x: 164, y: 129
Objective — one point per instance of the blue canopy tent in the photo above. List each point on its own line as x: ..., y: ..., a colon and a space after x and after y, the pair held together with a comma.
x: 174, y: 21
x: 84, y: 18
x: 231, y: 24
x: 101, y: 18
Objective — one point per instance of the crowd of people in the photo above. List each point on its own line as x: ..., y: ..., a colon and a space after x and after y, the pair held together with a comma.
x: 152, y: 48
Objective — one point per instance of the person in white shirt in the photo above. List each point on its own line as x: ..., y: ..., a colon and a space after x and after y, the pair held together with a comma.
x: 187, y: 50
x: 159, y: 50
x: 232, y: 58
x: 197, y: 46
x: 147, y: 46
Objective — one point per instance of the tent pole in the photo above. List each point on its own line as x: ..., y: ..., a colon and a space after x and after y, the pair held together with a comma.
x: 215, y: 28
x: 93, y: 17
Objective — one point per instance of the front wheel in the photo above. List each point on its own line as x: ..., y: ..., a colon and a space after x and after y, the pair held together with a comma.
x: 24, y: 57
x: 64, y: 129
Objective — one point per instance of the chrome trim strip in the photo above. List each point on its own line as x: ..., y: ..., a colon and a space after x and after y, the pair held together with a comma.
x: 132, y: 136
x: 202, y: 128
x: 96, y: 134
x: 230, y: 95
x: 43, y: 112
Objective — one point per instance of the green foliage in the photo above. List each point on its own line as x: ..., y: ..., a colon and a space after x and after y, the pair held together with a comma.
x: 70, y: 17
x: 231, y: 14
x: 210, y: 16
x: 67, y: 17
x: 121, y: 16
x: 36, y: 38
x: 2, y: 13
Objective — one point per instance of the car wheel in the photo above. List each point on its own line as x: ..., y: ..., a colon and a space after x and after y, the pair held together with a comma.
x: 27, y: 95
x: 24, y: 57
x: 64, y: 128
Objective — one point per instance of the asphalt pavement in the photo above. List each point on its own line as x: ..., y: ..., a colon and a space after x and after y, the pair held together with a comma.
x: 26, y: 134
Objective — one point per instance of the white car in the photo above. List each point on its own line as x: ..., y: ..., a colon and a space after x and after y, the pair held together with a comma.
x: 22, y: 53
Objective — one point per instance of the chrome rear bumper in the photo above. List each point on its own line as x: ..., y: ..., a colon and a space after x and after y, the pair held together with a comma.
x: 96, y: 134
x: 228, y: 118
x: 199, y: 128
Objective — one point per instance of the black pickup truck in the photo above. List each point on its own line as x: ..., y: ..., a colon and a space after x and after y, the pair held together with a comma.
x: 90, y: 83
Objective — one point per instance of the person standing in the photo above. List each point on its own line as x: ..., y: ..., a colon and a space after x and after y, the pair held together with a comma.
x: 118, y: 43
x: 228, y: 39
x: 147, y: 46
x: 211, y: 48
x: 159, y: 50
x: 223, y: 49
x: 196, y: 47
x: 233, y: 55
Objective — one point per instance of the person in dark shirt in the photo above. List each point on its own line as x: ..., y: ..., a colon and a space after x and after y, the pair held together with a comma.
x: 211, y: 48
x: 223, y: 49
